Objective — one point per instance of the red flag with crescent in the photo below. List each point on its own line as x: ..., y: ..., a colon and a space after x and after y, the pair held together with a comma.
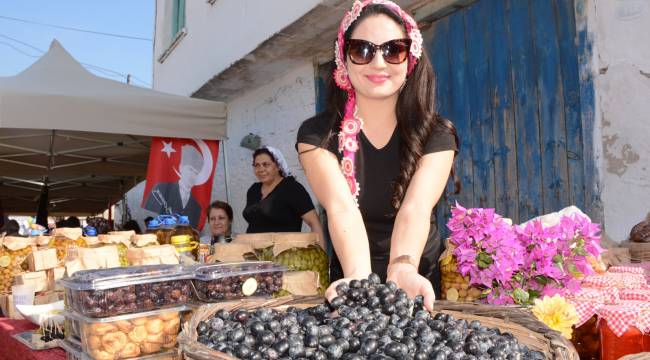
x: 179, y: 177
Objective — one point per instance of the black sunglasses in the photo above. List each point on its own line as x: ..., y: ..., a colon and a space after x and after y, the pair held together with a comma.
x: 361, y: 52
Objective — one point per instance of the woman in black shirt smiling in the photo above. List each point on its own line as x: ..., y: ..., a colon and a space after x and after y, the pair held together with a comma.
x: 379, y: 157
x: 278, y: 203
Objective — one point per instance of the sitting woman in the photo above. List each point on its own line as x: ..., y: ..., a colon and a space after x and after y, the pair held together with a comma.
x: 220, y: 220
x: 278, y: 203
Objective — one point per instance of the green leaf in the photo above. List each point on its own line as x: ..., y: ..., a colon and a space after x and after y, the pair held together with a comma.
x: 580, y: 251
x: 557, y: 259
x: 574, y: 270
x: 484, y: 260
x: 542, y: 280
x: 520, y: 296
x: 533, y: 294
x: 518, y: 277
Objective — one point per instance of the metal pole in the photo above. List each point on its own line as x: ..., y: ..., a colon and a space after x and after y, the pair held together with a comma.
x: 225, y: 170
x: 226, y: 181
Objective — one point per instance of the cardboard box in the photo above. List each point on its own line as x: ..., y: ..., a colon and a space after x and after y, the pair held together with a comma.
x: 54, y: 275
x: 42, y: 260
x: 38, y: 279
x: 48, y: 297
x: 8, y: 308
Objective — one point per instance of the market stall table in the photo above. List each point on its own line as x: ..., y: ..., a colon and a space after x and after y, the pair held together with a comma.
x: 12, y: 349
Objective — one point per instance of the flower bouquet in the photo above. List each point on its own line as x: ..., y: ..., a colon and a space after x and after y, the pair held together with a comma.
x: 518, y: 264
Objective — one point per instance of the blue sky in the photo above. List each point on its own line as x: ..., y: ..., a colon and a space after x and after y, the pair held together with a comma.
x: 125, y: 17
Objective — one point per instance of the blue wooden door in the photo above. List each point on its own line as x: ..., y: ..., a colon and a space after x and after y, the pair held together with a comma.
x: 508, y: 77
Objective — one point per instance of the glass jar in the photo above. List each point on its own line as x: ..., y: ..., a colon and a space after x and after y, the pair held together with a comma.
x: 613, y: 347
x: 586, y: 339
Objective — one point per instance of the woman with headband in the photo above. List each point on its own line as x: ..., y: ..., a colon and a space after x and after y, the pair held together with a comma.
x: 278, y: 203
x: 378, y: 158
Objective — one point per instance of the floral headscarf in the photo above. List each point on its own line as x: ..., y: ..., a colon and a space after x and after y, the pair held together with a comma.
x: 352, y: 124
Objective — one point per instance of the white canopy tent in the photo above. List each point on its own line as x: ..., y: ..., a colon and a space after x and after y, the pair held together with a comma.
x: 87, y: 137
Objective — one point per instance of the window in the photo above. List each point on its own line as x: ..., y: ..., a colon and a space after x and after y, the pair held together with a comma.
x: 174, y: 27
x: 178, y: 16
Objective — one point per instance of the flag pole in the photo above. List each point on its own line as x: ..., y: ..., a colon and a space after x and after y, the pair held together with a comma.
x: 225, y: 170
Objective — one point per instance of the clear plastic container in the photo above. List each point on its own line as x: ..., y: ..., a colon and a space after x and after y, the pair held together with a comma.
x: 129, y: 336
x: 236, y: 280
x: 111, y: 292
x: 74, y: 352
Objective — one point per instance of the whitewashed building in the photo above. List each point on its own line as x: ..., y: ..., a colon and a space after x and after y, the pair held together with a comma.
x: 264, y: 57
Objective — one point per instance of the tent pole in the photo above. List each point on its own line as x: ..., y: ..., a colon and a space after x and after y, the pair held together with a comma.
x: 225, y: 170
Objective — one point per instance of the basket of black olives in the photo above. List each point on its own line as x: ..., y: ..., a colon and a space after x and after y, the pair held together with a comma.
x: 368, y: 319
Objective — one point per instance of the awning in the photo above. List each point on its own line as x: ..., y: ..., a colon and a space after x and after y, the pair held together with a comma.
x: 86, y: 136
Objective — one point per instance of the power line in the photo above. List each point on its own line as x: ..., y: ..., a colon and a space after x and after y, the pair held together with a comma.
x: 75, y: 29
x: 17, y: 49
x: 100, y: 69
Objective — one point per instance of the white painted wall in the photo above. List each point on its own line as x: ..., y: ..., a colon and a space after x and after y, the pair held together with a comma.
x: 217, y: 36
x: 274, y: 112
x: 622, y: 87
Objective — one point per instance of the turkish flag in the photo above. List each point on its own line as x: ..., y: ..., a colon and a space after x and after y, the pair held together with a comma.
x: 179, y: 177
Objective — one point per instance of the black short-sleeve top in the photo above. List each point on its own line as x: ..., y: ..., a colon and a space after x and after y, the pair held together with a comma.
x: 280, y: 211
x: 377, y: 170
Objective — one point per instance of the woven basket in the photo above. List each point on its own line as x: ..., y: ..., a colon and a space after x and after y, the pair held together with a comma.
x: 455, y: 287
x: 518, y: 321
x: 639, y: 252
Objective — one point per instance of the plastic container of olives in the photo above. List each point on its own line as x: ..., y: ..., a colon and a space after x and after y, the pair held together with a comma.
x: 116, y: 291
x: 237, y: 280
x: 128, y: 336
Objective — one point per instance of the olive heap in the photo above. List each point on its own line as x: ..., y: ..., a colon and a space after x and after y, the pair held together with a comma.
x: 366, y: 320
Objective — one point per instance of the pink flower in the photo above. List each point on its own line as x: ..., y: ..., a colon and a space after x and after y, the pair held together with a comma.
x: 351, y: 127
x: 355, y: 12
x: 351, y: 144
x: 341, y: 78
x: 347, y: 167
x: 416, y: 42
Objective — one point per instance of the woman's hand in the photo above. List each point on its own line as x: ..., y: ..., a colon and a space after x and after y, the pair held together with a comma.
x: 330, y: 293
x: 406, y: 277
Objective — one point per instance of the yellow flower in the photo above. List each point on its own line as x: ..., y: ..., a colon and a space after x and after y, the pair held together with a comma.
x: 556, y: 313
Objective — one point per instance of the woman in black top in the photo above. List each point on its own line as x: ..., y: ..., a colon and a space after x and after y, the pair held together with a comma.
x: 379, y: 178
x: 278, y: 203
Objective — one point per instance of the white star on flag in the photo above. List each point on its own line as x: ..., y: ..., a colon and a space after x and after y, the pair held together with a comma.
x: 168, y: 149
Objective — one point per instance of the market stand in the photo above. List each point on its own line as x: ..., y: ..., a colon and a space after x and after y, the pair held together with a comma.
x: 85, y: 140
x: 87, y: 137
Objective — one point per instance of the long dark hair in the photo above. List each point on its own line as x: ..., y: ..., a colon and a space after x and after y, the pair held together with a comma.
x: 416, y: 112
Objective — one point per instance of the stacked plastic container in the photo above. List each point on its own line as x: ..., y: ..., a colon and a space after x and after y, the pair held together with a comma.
x: 126, y: 313
x: 136, y: 312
